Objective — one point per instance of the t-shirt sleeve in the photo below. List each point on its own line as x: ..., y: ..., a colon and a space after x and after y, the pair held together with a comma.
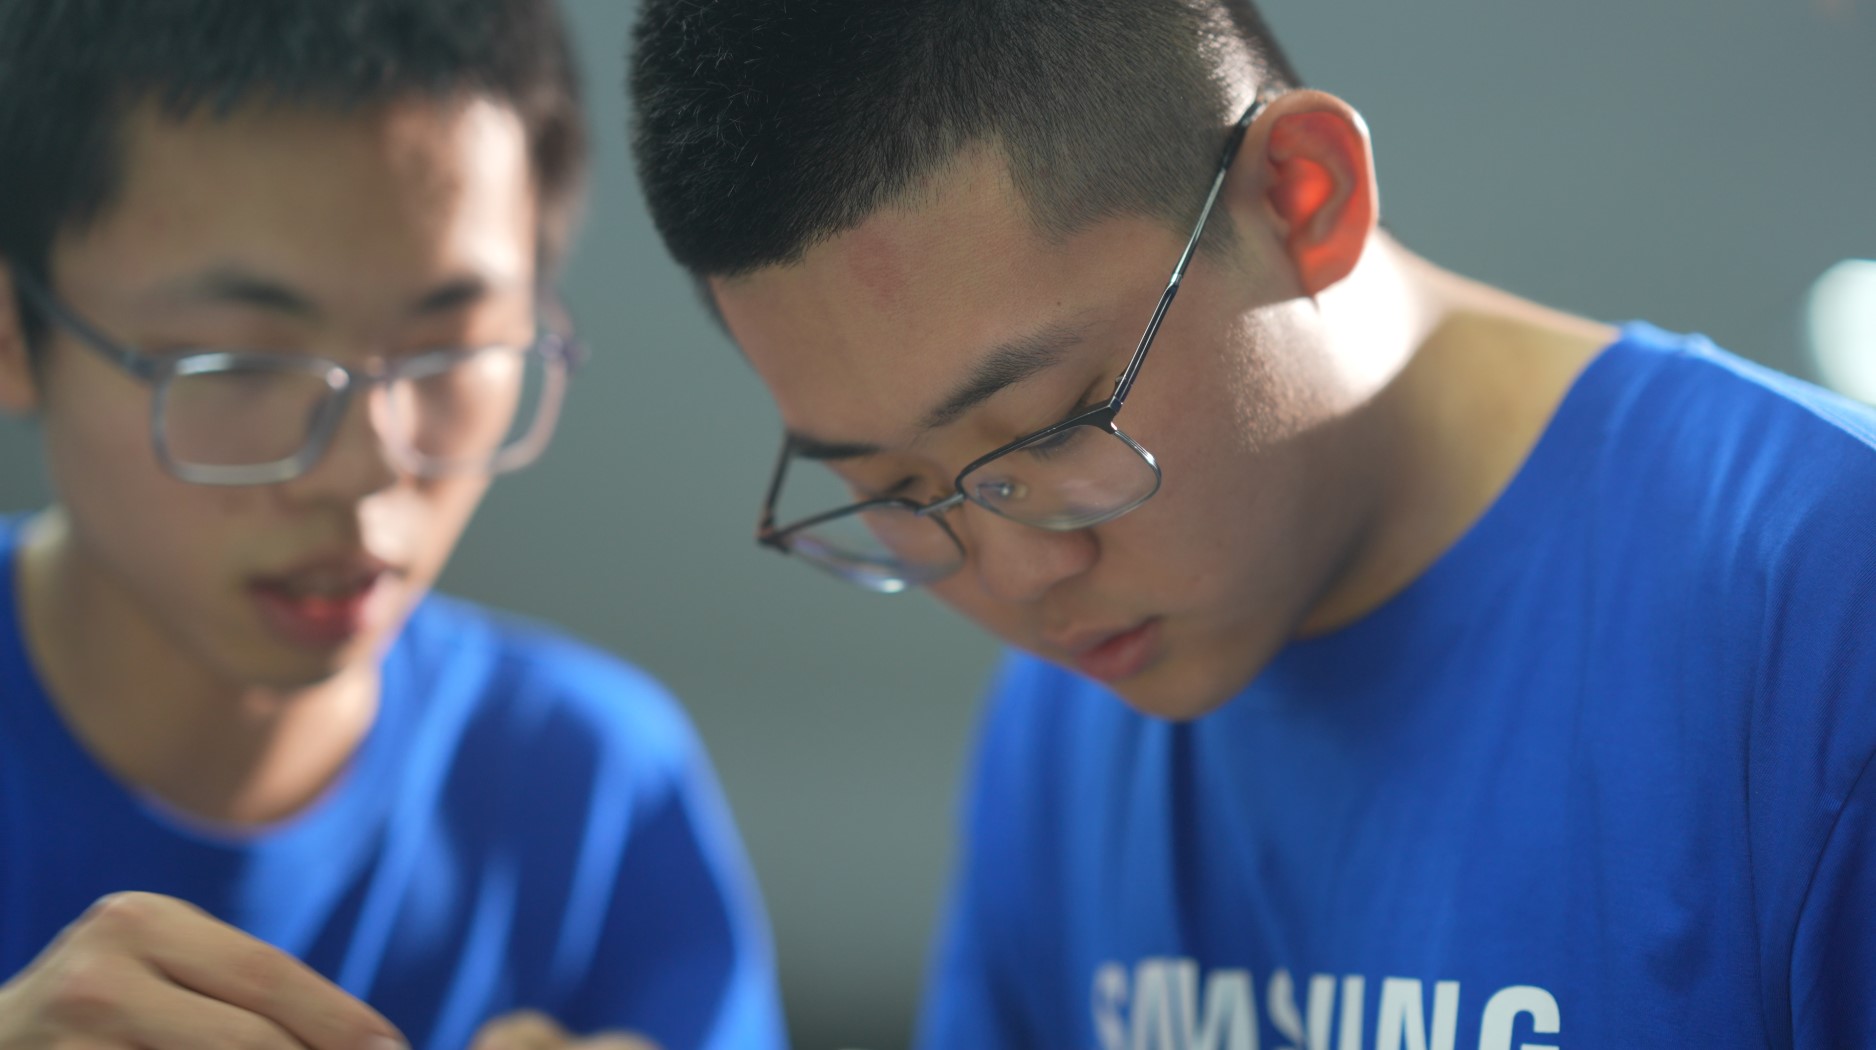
x: 634, y: 907
x: 963, y: 996
x: 973, y: 993
x: 1808, y: 785
x: 1833, y: 968
x: 682, y: 953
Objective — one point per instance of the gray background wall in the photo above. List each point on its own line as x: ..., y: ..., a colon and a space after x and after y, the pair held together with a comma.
x: 1698, y: 164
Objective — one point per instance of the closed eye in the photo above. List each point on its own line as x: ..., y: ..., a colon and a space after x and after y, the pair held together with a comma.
x: 1060, y: 441
x: 867, y: 493
x: 1052, y: 444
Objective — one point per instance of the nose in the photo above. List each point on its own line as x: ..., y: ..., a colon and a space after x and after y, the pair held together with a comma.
x: 357, y: 460
x: 1020, y: 563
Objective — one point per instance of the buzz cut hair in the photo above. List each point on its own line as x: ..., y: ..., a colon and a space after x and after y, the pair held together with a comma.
x: 72, y: 70
x: 762, y: 128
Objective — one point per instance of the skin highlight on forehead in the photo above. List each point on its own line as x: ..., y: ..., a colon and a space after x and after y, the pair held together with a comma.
x: 1004, y: 366
x: 397, y: 190
x: 875, y: 266
x: 882, y: 250
x: 952, y: 273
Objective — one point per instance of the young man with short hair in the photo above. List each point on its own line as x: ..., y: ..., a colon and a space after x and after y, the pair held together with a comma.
x: 1407, y: 664
x: 276, y: 286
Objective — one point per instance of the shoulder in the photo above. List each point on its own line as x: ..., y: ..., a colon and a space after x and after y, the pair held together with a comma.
x: 1735, y: 472
x: 579, y: 779
x: 1747, y: 489
x: 1725, y: 421
x: 529, y: 696
x: 1755, y: 492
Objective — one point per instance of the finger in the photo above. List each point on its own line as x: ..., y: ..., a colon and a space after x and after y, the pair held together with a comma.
x: 522, y: 1030
x: 121, y: 1001
x: 179, y: 1019
x: 207, y: 956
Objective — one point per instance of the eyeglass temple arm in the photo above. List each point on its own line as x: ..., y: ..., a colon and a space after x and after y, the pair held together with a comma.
x: 123, y: 357
x: 1232, y: 142
x: 766, y: 526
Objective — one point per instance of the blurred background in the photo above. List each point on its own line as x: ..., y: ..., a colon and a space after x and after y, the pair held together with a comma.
x: 1697, y: 165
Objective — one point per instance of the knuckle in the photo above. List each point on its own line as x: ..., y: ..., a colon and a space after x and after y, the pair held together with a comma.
x: 82, y: 994
x: 122, y: 913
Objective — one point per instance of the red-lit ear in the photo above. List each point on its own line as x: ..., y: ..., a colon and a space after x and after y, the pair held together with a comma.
x: 1319, y: 185
x: 19, y: 388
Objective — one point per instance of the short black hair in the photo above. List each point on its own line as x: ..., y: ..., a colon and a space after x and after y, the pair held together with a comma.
x: 70, y: 70
x: 762, y: 128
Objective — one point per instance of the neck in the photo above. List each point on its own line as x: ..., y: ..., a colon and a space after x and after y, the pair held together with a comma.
x: 1460, y: 381
x: 159, y: 717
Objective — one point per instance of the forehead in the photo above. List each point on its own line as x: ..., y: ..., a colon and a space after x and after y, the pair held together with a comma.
x: 318, y: 197
x: 871, y: 325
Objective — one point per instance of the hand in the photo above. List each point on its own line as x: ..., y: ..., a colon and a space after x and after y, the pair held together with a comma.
x: 533, y: 1030
x: 145, y: 971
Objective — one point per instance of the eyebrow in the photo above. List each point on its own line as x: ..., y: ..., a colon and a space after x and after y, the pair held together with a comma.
x: 1005, y: 366
x: 239, y: 286
x: 1002, y: 367
x: 808, y: 446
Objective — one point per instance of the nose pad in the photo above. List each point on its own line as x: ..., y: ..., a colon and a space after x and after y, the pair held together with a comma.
x: 393, y: 415
x: 1020, y: 563
x: 360, y: 456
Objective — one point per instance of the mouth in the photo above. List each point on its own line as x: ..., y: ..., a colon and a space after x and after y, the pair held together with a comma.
x: 1114, y: 656
x: 324, y: 604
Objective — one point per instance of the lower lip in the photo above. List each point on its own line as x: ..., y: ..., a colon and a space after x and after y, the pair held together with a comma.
x: 1122, y: 656
x: 317, y: 621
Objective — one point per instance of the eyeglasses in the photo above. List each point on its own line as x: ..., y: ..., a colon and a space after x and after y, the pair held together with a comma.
x: 249, y: 417
x: 1081, y: 472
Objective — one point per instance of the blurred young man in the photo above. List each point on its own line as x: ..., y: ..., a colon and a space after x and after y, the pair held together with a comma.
x: 1407, y: 665
x: 276, y: 287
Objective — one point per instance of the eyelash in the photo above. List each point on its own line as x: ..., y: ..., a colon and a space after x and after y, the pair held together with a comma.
x: 1088, y: 400
x: 1047, y: 448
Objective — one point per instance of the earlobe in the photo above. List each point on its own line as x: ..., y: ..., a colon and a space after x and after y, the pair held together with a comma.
x: 19, y: 386
x: 1320, y: 185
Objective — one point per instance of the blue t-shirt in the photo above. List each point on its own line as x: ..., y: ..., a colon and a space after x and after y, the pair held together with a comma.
x: 528, y: 823
x: 1597, y: 779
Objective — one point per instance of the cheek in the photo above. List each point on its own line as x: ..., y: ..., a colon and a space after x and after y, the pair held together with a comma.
x: 98, y: 448
x: 1206, y: 475
x: 1229, y: 497
x: 148, y: 527
x: 962, y: 594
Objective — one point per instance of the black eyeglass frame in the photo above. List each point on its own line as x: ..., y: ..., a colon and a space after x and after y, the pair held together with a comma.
x: 768, y: 534
x: 560, y: 349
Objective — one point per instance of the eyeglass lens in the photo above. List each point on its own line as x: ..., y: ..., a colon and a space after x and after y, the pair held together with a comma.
x: 447, y: 412
x: 1067, y: 480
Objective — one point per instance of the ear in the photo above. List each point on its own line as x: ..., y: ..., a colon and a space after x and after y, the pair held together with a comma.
x: 1319, y: 184
x: 19, y: 386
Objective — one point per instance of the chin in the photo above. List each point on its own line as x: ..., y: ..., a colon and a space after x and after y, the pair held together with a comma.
x: 287, y: 676
x: 280, y: 668
x: 1196, y: 679
x: 1169, y: 706
x: 1165, y: 693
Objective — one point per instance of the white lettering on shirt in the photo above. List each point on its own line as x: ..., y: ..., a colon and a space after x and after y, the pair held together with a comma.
x: 1161, y: 1005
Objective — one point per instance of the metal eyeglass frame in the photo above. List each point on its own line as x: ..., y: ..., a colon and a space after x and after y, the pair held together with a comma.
x: 1102, y: 416
x: 562, y: 351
